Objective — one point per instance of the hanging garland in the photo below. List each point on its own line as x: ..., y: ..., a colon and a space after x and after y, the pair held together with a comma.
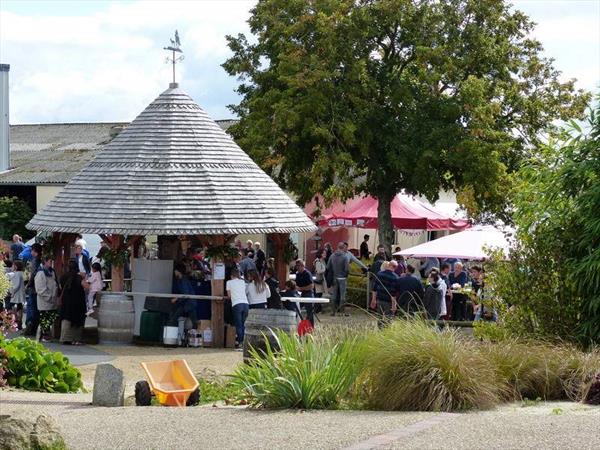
x: 290, y: 251
x: 221, y: 252
x: 116, y: 257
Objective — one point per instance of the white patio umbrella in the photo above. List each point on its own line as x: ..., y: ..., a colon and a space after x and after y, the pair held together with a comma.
x: 473, y: 243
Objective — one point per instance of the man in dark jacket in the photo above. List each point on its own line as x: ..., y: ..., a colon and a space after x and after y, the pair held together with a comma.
x: 410, y: 293
x: 433, y: 298
x: 383, y: 297
x: 338, y: 268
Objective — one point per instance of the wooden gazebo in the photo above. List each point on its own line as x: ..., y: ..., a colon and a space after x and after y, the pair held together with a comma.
x: 172, y: 172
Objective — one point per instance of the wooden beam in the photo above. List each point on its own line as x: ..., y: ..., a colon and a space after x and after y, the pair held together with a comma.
x: 116, y: 241
x: 281, y: 266
x: 217, y: 305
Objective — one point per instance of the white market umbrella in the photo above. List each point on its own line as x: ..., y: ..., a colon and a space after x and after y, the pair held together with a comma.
x: 473, y: 243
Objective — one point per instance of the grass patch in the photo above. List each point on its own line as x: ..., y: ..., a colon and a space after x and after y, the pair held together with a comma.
x: 412, y: 366
x: 314, y: 372
x: 219, y: 390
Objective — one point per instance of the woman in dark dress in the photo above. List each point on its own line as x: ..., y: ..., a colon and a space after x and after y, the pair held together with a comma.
x: 73, y: 306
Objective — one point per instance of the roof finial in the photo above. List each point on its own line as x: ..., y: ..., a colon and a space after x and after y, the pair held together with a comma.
x: 174, y: 47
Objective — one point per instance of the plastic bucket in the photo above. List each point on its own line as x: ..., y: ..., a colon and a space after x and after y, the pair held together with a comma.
x: 170, y: 335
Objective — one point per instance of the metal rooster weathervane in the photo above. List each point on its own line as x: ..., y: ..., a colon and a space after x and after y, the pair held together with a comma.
x: 175, y: 47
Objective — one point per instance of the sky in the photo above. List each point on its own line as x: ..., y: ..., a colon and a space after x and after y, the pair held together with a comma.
x: 102, y: 61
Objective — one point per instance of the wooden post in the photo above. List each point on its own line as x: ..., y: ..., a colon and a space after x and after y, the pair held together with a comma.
x: 217, y: 306
x: 281, y: 266
x: 62, y: 247
x: 117, y: 273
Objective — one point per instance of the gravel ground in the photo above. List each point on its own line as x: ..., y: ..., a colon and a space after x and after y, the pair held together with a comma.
x: 543, y: 426
x: 552, y: 425
x: 86, y: 427
x: 128, y: 358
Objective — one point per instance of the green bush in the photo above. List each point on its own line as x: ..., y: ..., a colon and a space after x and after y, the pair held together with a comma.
x: 14, y: 215
x: 314, y: 372
x: 412, y: 366
x: 31, y: 366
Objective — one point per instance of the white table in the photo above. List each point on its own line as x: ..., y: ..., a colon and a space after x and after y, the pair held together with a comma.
x: 305, y: 299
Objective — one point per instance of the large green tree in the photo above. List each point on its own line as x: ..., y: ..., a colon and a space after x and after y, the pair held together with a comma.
x: 343, y: 96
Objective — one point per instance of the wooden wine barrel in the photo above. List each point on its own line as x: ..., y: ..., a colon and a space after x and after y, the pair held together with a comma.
x: 263, y: 322
x: 115, y: 319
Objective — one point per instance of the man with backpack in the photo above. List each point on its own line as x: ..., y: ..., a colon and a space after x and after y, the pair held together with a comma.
x: 32, y: 313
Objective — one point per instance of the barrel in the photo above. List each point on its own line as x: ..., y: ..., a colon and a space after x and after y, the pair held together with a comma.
x: 115, y: 319
x: 263, y: 322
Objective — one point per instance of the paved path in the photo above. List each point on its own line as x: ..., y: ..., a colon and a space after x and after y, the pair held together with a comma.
x: 80, y: 355
x: 543, y: 426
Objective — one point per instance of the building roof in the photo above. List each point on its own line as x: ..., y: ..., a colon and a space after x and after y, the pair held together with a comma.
x: 172, y: 171
x: 54, y: 153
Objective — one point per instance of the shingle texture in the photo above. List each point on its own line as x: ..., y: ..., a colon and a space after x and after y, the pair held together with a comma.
x: 54, y: 153
x: 172, y: 171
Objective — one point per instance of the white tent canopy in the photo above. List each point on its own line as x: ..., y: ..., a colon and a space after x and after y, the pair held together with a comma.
x: 473, y: 243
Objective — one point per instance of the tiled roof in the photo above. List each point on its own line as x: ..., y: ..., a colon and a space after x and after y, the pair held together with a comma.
x: 172, y: 171
x: 55, y: 153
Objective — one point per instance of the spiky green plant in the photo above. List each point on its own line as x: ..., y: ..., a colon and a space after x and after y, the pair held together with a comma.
x: 313, y: 372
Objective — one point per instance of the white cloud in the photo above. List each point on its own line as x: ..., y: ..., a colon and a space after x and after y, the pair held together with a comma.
x: 107, y: 66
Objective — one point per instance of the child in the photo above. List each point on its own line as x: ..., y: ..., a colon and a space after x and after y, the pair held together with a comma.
x: 94, y: 285
x: 236, y: 291
x: 290, y: 291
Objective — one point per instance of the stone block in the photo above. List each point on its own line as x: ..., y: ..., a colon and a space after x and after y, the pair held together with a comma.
x: 109, y: 386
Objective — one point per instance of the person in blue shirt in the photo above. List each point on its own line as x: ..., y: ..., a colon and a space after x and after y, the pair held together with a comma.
x: 182, y: 307
x: 452, y: 262
x: 383, y: 297
x: 459, y: 301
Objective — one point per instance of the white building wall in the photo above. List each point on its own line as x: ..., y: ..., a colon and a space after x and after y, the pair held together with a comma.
x: 44, y: 194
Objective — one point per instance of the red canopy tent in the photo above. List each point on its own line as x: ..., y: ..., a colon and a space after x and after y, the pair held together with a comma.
x: 407, y: 214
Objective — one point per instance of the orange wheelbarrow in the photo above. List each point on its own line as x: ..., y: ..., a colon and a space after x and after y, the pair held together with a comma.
x: 172, y: 382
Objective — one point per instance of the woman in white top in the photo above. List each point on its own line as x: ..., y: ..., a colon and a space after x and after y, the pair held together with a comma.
x: 319, y: 268
x: 257, y: 291
x: 236, y: 290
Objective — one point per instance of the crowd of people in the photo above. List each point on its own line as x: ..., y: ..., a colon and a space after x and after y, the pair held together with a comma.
x: 40, y: 301
x: 251, y: 283
x: 439, y: 290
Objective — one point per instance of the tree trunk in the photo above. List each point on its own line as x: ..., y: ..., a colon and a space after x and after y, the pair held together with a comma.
x: 384, y: 219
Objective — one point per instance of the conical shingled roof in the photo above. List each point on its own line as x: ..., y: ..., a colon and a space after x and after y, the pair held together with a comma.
x: 172, y: 171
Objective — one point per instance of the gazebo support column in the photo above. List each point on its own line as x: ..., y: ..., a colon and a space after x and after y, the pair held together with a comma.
x: 217, y: 306
x: 116, y: 242
x: 62, y: 246
x: 281, y: 266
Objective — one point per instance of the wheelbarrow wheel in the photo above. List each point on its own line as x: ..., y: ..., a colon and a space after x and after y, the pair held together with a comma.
x: 143, y: 394
x: 194, y: 398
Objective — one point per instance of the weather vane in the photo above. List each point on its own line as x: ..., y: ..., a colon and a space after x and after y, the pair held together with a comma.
x: 175, y: 47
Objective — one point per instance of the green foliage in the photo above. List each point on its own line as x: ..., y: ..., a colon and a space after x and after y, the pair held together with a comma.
x: 409, y: 365
x: 215, y: 390
x: 4, y: 284
x: 14, y: 215
x: 221, y: 252
x: 344, y: 96
x: 116, y: 257
x: 552, y: 280
x: 31, y: 366
x: 412, y: 366
x: 311, y: 372
x: 490, y: 331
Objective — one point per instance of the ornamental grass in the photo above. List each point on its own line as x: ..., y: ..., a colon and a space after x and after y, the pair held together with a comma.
x: 411, y: 365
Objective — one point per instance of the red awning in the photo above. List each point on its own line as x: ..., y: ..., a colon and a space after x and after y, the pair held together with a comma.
x: 407, y: 214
